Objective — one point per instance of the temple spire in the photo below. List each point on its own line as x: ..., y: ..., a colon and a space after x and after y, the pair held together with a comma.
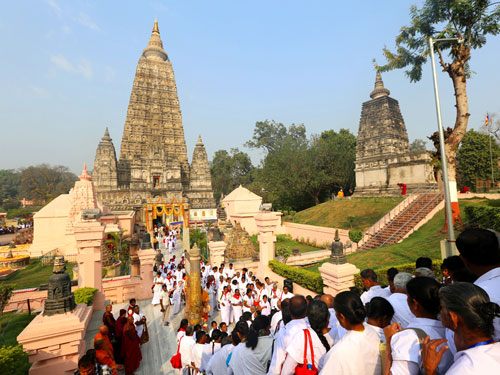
x: 155, y: 27
x: 85, y: 174
x: 200, y: 142
x: 154, y: 50
x: 106, y: 136
x: 379, y: 90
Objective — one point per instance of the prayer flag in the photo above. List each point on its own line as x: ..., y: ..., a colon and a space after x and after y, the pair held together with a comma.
x: 487, y: 120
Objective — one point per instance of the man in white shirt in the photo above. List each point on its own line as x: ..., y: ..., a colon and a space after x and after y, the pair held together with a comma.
x: 373, y: 289
x: 268, y: 285
x: 139, y: 321
x: 333, y: 334
x: 230, y: 271
x: 185, y: 349
x: 274, y: 296
x: 399, y: 300
x: 298, y: 311
x: 285, y: 294
x: 480, y: 251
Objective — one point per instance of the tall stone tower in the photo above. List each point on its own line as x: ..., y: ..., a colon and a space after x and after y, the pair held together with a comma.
x: 153, y: 160
x: 383, y: 157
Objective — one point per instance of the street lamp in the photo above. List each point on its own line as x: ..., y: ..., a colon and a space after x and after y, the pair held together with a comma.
x: 447, y: 194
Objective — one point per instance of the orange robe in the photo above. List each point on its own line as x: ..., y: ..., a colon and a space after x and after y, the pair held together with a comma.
x: 108, y: 347
x: 103, y: 358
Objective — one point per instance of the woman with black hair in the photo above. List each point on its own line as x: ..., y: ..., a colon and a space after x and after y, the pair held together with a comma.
x: 357, y: 353
x: 467, y: 310
x: 198, y: 349
x: 182, y: 329
x: 404, y: 353
x: 379, y: 312
x: 211, y: 347
x: 253, y: 356
x: 319, y: 317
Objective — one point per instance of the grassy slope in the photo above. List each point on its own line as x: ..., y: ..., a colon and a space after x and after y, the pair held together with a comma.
x: 33, y: 275
x: 12, y: 326
x: 423, y: 242
x: 288, y: 243
x: 367, y: 211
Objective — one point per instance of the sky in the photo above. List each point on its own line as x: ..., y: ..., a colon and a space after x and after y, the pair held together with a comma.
x: 67, y: 67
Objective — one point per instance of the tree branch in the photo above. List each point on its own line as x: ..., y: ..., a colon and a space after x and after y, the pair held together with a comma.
x: 441, y: 60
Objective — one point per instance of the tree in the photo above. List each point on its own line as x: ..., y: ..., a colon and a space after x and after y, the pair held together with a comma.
x: 228, y: 170
x: 473, y: 159
x: 271, y: 135
x: 417, y: 145
x: 44, y: 182
x: 9, y: 185
x: 471, y: 21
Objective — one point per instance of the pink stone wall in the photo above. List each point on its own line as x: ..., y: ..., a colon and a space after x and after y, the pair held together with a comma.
x: 123, y: 288
x: 321, y: 235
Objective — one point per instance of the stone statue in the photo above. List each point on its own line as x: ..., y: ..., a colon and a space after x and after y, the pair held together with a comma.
x: 60, y: 299
x: 337, y: 256
x: 146, y: 241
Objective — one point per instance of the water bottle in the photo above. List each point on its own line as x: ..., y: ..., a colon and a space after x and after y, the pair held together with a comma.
x: 309, y: 366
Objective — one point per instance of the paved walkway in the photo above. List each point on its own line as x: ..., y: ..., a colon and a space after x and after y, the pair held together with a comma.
x: 162, y: 344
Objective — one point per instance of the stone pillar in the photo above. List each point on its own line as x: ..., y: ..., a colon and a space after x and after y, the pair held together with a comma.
x: 135, y: 268
x: 89, y: 235
x: 267, y: 224
x: 146, y: 259
x: 217, y: 249
x: 185, y: 242
x: 194, y: 296
x: 337, y: 277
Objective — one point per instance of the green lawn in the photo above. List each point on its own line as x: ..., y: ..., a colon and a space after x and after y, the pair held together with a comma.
x: 287, y: 243
x: 33, y: 275
x: 283, y: 241
x: 423, y: 242
x: 333, y: 214
x: 12, y: 326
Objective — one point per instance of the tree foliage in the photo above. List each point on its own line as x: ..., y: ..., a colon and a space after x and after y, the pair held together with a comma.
x: 474, y: 160
x: 230, y: 169
x: 471, y: 21
x: 417, y: 145
x: 44, y: 182
x: 9, y: 185
x: 296, y: 171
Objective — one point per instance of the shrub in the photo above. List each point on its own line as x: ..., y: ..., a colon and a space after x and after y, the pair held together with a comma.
x: 355, y: 235
x: 407, y: 267
x: 5, y: 293
x: 284, y: 253
x: 255, y: 242
x: 486, y: 217
x: 307, y: 279
x: 13, y: 360
x: 85, y: 295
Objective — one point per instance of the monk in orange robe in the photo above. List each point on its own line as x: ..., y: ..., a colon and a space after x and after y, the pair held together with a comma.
x: 103, y: 357
x: 107, y: 346
x: 131, y: 350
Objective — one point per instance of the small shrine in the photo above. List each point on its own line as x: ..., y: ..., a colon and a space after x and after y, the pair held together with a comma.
x: 60, y: 299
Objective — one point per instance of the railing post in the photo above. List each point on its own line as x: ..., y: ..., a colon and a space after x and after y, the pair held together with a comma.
x: 29, y: 307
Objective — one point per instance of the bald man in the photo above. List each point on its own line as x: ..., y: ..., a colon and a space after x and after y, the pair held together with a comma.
x: 103, y: 335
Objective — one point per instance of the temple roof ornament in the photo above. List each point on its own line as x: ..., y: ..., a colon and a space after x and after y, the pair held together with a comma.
x: 155, y: 50
x: 106, y: 136
x: 85, y: 174
x: 379, y: 90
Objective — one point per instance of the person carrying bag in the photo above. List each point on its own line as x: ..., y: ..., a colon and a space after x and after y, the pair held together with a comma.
x: 176, y: 358
x: 307, y: 368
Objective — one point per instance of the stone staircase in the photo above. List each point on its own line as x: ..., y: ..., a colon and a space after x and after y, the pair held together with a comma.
x: 403, y: 223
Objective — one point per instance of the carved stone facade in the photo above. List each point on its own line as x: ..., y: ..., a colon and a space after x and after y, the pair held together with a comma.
x: 239, y: 245
x: 153, y: 159
x: 383, y: 157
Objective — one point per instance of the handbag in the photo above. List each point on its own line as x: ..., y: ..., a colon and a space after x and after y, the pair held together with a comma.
x: 145, y: 335
x: 175, y: 361
x: 307, y: 368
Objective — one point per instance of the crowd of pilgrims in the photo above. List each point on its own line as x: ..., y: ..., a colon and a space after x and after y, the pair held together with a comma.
x: 416, y: 325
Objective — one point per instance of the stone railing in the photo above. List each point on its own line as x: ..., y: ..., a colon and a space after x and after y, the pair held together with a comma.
x: 379, y: 225
x: 310, y: 257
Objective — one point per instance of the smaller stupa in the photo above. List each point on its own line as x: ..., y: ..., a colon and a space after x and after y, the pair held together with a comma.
x: 337, y: 256
x: 60, y: 299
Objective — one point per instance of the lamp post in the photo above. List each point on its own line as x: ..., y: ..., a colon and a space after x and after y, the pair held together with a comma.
x: 444, y: 165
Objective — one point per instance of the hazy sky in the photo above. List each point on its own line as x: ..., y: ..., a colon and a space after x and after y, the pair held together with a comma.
x: 67, y: 67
